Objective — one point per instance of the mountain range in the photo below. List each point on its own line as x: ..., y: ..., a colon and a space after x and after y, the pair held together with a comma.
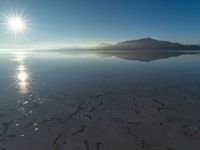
x: 146, y: 44
x: 145, y: 49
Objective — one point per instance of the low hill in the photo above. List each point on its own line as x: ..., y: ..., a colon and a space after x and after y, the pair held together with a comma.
x: 148, y: 44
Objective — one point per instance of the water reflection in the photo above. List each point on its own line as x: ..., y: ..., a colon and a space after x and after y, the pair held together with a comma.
x: 21, y: 68
x: 142, y: 56
x: 22, y: 77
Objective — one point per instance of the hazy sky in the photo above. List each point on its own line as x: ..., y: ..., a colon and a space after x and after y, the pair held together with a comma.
x: 54, y: 23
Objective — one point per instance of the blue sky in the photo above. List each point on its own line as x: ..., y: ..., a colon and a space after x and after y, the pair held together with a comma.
x: 56, y: 23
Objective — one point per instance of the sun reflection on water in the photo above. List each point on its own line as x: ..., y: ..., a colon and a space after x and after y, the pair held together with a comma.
x: 26, y: 101
x: 21, y: 68
x: 22, y: 76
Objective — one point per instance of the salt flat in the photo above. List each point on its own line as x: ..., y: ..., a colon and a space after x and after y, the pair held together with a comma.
x: 92, y: 101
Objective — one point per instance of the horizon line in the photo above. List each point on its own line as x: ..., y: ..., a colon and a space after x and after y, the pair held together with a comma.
x: 74, y: 46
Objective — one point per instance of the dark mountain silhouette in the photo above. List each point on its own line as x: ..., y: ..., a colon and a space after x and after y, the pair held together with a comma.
x: 149, y: 44
x: 145, y: 49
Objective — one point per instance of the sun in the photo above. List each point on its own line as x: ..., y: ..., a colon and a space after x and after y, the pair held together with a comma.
x: 16, y: 24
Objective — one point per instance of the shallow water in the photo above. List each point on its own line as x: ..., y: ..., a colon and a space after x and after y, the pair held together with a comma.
x: 95, y: 101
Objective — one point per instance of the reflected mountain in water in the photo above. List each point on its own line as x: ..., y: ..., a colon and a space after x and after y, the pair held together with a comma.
x: 145, y: 49
x: 142, y: 56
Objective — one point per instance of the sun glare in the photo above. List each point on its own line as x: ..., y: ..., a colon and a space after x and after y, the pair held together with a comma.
x: 22, y: 76
x: 16, y: 24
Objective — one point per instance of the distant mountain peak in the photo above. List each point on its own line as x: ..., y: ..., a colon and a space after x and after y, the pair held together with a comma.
x: 148, y: 38
x: 140, y: 40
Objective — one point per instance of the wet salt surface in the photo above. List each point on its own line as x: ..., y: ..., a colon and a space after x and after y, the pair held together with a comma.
x: 56, y: 101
